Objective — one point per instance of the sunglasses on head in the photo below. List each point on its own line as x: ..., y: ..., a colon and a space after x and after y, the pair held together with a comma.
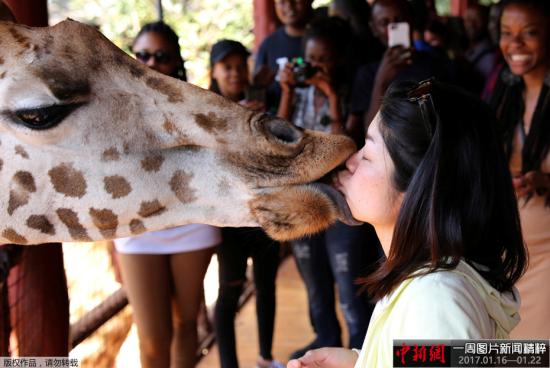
x: 422, y: 94
x: 160, y: 57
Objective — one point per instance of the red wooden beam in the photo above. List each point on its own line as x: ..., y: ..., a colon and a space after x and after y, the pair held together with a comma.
x: 265, y: 20
x: 33, y: 13
x: 458, y: 7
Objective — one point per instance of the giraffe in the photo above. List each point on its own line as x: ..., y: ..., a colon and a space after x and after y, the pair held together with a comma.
x: 95, y: 146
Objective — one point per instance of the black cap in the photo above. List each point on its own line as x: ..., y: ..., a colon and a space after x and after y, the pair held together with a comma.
x: 223, y: 48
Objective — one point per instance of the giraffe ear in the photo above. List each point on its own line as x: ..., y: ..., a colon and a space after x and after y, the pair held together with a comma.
x: 6, y: 13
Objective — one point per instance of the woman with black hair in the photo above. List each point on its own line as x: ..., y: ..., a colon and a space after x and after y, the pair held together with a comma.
x: 432, y: 179
x: 163, y: 271
x: 166, y: 58
x: 521, y: 100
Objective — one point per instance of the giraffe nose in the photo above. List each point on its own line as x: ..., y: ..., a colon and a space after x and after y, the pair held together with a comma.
x: 284, y: 131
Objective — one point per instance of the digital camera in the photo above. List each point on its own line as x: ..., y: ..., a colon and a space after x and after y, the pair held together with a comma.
x: 302, y: 71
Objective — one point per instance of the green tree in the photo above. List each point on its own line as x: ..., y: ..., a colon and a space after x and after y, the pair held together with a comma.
x: 199, y: 23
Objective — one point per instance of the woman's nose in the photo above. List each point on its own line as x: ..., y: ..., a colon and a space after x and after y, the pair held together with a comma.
x: 151, y: 63
x: 353, y: 161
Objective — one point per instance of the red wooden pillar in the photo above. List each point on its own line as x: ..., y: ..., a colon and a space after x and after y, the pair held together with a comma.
x: 265, y: 20
x: 30, y: 12
x: 37, y: 287
x: 458, y: 7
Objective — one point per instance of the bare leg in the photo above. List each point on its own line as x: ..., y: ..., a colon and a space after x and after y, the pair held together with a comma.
x: 147, y: 282
x: 188, y: 271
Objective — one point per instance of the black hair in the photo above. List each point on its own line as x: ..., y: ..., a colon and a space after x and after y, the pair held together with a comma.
x: 543, y: 6
x: 507, y: 101
x: 459, y: 202
x: 404, y: 5
x: 337, y: 34
x: 170, y: 35
x: 357, y: 13
x: 214, y: 86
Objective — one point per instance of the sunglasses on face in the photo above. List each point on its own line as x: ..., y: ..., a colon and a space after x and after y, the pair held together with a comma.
x: 422, y: 94
x: 161, y: 57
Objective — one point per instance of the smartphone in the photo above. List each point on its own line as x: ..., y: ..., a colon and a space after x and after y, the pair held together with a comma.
x: 399, y: 34
x: 255, y: 93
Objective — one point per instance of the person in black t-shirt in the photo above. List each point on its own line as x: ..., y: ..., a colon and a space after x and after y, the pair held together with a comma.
x: 397, y: 63
x: 283, y: 44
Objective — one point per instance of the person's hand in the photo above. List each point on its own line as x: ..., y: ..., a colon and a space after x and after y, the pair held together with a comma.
x: 394, y: 60
x: 533, y: 182
x: 322, y: 81
x: 264, y: 76
x: 286, y: 78
x: 254, y: 105
x: 326, y: 358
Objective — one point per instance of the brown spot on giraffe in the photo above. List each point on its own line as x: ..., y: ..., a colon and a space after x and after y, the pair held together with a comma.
x: 63, y: 84
x: 70, y: 219
x: 117, y: 186
x: 170, y: 127
x: 152, y: 162
x: 21, y: 185
x: 2, y: 75
x: 1, y: 164
x: 151, y: 208
x: 180, y: 186
x: 110, y: 154
x: 173, y: 130
x: 1, y: 60
x: 211, y: 122
x: 25, y: 180
x: 17, y: 199
x: 41, y: 223
x: 137, y: 227
x: 19, y: 38
x: 68, y: 181
x: 19, y: 150
x: 106, y: 221
x: 13, y: 236
x: 166, y: 88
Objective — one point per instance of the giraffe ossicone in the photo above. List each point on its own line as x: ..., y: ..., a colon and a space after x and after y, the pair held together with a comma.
x: 94, y: 146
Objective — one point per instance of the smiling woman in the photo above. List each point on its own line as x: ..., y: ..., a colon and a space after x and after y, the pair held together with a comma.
x: 522, y: 102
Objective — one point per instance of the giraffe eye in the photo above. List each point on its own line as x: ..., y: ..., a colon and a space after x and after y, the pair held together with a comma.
x: 43, y: 117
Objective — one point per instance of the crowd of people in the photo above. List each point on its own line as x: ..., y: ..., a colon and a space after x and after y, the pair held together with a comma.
x: 453, y: 190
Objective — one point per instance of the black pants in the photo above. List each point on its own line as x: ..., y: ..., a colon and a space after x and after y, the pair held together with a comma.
x: 238, y: 244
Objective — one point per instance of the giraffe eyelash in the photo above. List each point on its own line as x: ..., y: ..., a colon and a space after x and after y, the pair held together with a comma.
x: 42, y: 118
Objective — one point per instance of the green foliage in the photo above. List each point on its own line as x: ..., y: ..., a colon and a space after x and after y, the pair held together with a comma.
x: 199, y: 23
x: 443, y: 7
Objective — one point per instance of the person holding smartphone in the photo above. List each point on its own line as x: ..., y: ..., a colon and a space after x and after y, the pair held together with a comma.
x: 391, y: 23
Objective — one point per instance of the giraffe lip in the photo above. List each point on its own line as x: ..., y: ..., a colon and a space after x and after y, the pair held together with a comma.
x: 344, y: 212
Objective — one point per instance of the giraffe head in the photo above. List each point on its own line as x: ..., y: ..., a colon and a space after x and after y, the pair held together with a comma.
x: 93, y: 145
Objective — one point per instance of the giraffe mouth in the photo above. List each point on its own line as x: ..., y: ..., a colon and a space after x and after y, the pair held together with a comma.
x: 344, y: 212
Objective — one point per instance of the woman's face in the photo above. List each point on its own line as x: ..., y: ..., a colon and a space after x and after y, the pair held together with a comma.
x: 231, y: 73
x: 523, y: 39
x: 293, y: 12
x: 156, y: 52
x: 319, y: 54
x: 367, y: 181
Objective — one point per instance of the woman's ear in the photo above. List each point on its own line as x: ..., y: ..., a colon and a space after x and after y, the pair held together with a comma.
x: 5, y: 13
